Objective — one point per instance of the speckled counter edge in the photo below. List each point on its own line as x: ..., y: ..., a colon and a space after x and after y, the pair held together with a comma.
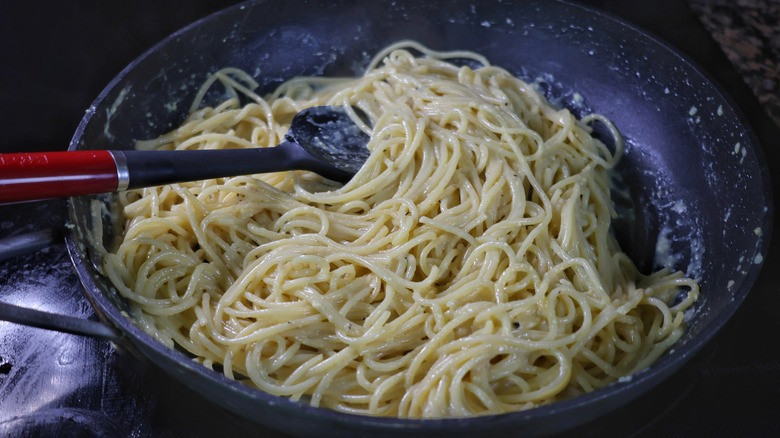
x: 748, y: 31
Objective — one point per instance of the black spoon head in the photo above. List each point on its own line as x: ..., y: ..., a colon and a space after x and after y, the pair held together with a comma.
x: 331, y: 136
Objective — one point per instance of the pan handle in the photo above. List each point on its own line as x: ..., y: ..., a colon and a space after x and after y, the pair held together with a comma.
x: 31, y: 242
x: 60, y: 323
x: 26, y: 243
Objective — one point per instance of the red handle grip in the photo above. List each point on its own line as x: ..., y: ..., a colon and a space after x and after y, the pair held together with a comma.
x: 45, y: 175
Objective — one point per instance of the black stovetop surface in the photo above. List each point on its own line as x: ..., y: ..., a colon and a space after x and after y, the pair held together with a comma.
x: 54, y: 60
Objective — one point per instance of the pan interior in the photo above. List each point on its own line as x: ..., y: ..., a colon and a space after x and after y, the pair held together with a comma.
x: 690, y: 190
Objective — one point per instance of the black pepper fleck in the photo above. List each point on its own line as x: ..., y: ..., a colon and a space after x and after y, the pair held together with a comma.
x: 5, y: 367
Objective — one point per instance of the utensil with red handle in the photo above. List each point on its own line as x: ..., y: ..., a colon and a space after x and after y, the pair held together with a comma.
x: 324, y: 140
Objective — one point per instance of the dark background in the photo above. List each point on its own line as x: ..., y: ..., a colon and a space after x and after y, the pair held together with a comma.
x: 55, y: 57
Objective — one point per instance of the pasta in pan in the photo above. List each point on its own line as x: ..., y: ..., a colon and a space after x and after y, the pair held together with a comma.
x: 467, y: 269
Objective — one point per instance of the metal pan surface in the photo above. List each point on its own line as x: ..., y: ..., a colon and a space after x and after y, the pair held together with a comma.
x: 692, y: 177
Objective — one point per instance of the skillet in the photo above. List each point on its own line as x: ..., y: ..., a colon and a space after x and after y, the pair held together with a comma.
x: 691, y: 172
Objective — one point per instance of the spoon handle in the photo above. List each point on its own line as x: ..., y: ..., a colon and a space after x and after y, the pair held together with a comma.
x: 45, y: 175
x: 154, y: 168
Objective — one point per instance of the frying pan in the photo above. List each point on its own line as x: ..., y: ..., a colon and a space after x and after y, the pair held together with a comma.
x: 691, y: 183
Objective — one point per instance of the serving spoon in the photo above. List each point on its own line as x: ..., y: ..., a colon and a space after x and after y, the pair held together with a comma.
x: 321, y: 139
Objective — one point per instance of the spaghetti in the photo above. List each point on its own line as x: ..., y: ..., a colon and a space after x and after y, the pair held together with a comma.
x: 466, y: 269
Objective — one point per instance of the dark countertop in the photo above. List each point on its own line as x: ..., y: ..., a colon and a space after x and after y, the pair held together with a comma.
x: 48, y: 82
x: 748, y: 31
